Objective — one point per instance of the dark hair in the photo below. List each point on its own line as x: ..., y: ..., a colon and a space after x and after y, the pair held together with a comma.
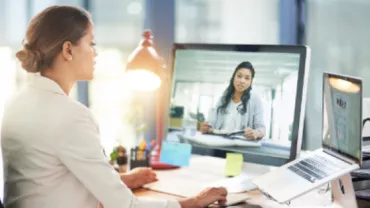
x: 48, y: 31
x: 227, y: 95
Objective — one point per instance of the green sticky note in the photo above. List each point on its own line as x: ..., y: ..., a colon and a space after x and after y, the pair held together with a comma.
x: 234, y: 164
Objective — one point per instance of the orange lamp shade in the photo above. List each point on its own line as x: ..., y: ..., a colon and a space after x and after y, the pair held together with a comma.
x: 145, y: 67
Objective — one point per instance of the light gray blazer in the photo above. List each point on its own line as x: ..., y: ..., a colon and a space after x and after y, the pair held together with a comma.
x: 253, y: 118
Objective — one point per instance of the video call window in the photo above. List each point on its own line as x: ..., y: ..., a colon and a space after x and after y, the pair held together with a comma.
x: 201, y: 77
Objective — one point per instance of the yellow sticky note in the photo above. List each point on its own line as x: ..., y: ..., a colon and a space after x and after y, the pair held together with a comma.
x: 234, y: 164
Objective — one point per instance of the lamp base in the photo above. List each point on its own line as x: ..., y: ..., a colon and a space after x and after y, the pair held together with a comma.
x: 155, y: 163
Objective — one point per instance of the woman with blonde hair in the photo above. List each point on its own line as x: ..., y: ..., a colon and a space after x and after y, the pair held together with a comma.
x: 51, y: 144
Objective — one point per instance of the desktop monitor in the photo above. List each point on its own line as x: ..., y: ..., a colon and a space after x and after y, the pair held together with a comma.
x: 271, y: 102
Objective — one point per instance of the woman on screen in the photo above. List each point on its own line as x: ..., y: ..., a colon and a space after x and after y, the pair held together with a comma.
x: 51, y: 143
x: 239, y: 109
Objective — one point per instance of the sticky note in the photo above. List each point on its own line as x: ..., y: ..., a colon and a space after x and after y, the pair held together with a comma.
x: 234, y: 164
x: 177, y: 154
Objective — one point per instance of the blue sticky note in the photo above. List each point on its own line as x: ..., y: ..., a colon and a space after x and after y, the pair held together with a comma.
x: 177, y: 154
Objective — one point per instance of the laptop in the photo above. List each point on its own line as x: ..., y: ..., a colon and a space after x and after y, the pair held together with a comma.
x: 366, y: 128
x: 341, y: 150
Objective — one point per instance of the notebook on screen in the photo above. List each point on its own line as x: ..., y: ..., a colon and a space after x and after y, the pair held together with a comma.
x: 220, y: 141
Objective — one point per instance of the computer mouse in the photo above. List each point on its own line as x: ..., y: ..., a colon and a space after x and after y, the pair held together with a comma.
x: 242, y: 185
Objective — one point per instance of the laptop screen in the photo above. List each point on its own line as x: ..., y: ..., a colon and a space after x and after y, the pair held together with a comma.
x: 342, y: 125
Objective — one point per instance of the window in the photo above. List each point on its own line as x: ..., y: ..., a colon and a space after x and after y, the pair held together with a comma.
x: 218, y: 21
x: 117, y: 35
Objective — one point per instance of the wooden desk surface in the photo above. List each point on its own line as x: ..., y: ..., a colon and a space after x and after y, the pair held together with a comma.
x: 316, y: 198
x: 154, y: 194
x: 142, y: 192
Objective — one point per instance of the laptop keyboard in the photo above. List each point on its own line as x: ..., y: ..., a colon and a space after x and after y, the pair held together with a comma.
x: 316, y: 167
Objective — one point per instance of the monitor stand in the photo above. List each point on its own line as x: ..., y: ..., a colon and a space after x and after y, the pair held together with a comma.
x: 343, y: 193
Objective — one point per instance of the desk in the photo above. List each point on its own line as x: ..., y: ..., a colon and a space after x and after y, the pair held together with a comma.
x: 153, y: 194
x: 266, y: 154
x: 214, y: 166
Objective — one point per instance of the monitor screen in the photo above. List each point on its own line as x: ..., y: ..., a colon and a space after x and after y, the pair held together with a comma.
x: 342, y: 121
x: 235, y: 93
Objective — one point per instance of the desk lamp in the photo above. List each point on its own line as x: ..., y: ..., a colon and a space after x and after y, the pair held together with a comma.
x: 146, y: 66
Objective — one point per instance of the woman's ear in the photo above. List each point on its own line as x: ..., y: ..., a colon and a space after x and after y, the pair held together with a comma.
x: 67, y: 51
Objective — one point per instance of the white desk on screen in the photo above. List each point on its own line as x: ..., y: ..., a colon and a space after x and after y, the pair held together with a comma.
x: 270, y: 152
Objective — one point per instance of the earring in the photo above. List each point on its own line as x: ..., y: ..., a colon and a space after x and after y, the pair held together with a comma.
x: 70, y: 58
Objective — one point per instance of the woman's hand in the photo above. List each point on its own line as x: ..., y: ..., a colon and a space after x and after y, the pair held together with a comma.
x: 206, y: 198
x: 251, y: 134
x: 138, y: 177
x: 205, y: 127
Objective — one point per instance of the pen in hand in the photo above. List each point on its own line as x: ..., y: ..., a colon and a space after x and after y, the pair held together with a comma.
x: 205, y: 127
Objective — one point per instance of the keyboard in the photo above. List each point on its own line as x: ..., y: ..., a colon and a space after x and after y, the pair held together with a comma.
x: 316, y: 168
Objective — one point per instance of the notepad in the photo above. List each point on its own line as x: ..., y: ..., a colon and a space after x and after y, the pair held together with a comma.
x: 234, y: 164
x: 177, y: 154
x: 219, y: 141
x: 225, y: 133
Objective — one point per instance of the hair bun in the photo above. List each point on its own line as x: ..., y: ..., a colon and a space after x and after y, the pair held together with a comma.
x: 30, y: 59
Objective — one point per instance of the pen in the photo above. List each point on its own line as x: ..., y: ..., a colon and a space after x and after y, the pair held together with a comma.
x: 208, y: 125
x: 133, y: 153
x: 210, y: 128
x: 142, y: 145
x: 153, y: 143
x: 148, y: 146
x: 140, y: 150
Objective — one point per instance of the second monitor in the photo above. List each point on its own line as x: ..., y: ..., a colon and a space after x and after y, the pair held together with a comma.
x: 256, y: 91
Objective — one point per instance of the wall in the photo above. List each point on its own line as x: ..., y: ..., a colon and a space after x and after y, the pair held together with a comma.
x: 339, y: 36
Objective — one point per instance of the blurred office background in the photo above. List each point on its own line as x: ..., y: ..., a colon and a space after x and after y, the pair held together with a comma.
x: 336, y: 31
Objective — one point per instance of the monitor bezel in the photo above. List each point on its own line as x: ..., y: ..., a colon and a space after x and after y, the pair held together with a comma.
x: 327, y: 75
x: 301, y: 92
